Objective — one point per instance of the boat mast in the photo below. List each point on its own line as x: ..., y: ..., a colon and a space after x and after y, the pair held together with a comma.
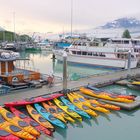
x: 14, y: 26
x: 71, y: 18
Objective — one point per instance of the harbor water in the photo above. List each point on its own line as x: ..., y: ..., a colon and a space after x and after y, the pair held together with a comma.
x: 118, y: 125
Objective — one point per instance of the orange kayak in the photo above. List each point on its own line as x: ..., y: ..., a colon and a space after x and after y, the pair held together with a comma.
x: 54, y: 112
x: 38, y: 118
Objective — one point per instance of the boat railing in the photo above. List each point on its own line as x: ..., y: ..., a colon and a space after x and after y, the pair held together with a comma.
x: 28, y: 68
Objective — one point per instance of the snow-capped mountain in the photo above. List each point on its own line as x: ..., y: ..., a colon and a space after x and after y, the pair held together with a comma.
x: 1, y: 29
x: 116, y: 28
x: 122, y: 23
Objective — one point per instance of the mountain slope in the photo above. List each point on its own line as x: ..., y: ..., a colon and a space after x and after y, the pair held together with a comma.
x: 122, y: 23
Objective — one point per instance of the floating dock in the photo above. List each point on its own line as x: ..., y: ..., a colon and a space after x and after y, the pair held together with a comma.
x: 98, y: 80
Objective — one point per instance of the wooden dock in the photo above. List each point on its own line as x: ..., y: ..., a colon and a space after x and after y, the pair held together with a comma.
x: 96, y: 80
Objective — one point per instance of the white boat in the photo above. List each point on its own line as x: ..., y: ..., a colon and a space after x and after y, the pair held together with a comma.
x: 88, y: 53
x: 45, y: 46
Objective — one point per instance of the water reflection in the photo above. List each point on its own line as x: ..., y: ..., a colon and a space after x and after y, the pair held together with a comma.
x: 45, y: 64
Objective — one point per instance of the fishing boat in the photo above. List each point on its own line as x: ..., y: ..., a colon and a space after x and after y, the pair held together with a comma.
x: 32, y: 48
x: 45, y: 46
x: 89, y: 53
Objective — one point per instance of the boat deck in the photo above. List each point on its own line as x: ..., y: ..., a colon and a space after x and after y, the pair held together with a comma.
x: 96, y: 80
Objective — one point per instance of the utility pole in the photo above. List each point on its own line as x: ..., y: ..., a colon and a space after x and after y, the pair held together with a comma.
x: 71, y: 19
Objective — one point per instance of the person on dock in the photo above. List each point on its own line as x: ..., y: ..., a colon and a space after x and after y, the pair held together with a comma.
x: 50, y: 80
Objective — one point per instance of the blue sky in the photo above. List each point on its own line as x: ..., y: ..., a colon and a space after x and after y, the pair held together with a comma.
x: 55, y: 15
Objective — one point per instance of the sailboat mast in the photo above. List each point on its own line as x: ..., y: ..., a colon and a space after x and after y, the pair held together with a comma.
x: 14, y: 26
x: 71, y: 18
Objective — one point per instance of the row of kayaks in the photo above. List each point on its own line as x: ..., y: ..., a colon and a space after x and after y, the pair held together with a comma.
x: 46, y: 112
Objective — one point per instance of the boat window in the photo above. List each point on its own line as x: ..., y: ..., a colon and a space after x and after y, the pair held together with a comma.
x: 74, y: 52
x: 84, y: 53
x: 78, y: 52
x: 90, y: 53
x: 126, y: 42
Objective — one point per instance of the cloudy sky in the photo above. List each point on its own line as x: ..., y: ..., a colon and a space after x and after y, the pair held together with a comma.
x: 55, y: 15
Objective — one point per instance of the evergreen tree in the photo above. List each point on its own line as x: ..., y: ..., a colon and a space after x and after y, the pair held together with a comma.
x: 126, y: 34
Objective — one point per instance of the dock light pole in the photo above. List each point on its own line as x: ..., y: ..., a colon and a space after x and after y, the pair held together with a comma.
x: 64, y: 72
x: 129, y: 63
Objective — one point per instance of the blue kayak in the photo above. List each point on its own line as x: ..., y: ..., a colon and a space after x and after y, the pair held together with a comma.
x: 74, y: 108
x: 49, y: 116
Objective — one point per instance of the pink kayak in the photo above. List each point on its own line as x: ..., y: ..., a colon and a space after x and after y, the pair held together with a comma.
x: 34, y: 100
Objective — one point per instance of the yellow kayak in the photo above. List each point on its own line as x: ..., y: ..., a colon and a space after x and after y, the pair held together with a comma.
x: 80, y: 105
x: 9, y: 127
x: 64, y: 115
x: 67, y: 110
x: 53, y: 111
x: 105, y: 105
x: 10, y: 117
x: 104, y: 96
x: 38, y: 118
x: 90, y: 104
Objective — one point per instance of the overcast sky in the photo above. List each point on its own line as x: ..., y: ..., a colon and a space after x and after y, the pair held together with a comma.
x: 55, y: 15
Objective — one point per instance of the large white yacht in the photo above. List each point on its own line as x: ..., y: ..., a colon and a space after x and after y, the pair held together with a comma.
x: 92, y: 53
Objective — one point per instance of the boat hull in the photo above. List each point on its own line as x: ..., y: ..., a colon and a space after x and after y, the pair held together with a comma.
x: 97, y: 61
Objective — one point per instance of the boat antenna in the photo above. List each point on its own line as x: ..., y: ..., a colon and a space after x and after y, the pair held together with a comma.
x: 14, y: 25
x: 71, y: 18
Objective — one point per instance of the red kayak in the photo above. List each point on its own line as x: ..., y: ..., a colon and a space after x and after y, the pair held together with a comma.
x: 30, y: 121
x: 34, y: 100
x: 4, y: 135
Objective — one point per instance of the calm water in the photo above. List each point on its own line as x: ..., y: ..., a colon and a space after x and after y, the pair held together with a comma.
x: 120, y: 125
x: 42, y: 61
